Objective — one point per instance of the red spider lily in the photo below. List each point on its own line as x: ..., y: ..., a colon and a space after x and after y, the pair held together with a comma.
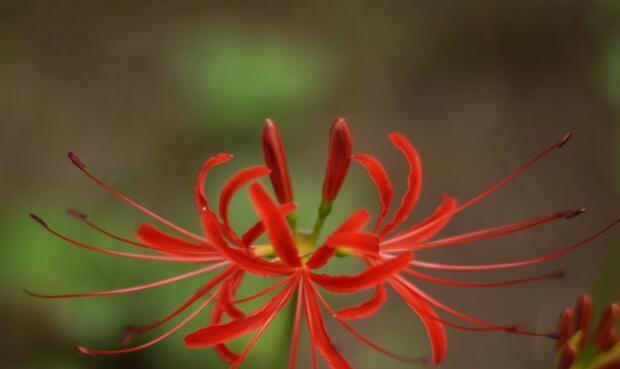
x: 221, y: 248
x: 291, y: 257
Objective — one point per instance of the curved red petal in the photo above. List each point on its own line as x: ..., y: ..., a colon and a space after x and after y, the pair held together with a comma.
x: 275, y: 224
x: 232, y: 186
x: 320, y: 257
x: 225, y: 332
x: 252, y: 234
x: 368, y: 278
x: 227, y: 295
x: 224, y: 353
x: 379, y: 176
x: 434, y: 328
x: 165, y: 242
x: 199, y: 190
x: 430, y: 226
x: 414, y: 182
x: 275, y: 158
x: 319, y: 334
x: 367, y: 308
x: 363, y: 243
x: 241, y: 258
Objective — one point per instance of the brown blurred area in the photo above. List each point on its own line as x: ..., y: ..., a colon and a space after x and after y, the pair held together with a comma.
x: 479, y: 87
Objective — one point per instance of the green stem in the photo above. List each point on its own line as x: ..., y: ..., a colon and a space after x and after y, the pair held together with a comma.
x: 324, y: 209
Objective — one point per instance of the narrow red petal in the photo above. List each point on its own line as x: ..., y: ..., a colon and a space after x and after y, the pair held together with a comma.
x: 275, y: 159
x: 434, y: 329
x: 242, y: 258
x: 582, y: 315
x: 232, y: 186
x: 227, y: 295
x: 202, y: 202
x: 165, y: 242
x: 224, y: 332
x: 320, y: 257
x: 365, y: 339
x: 275, y: 224
x: 223, y: 351
x: 320, y: 336
x: 353, y: 223
x: 507, y: 179
x: 436, y: 223
x: 363, y: 243
x: 414, y: 182
x: 252, y: 234
x: 207, y: 258
x: 367, y: 308
x: 338, y: 159
x: 369, y: 278
x: 379, y: 176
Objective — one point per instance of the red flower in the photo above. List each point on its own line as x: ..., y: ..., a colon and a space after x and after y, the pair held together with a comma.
x: 291, y: 257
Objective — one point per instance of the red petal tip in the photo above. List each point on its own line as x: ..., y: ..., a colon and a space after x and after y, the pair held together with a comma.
x: 77, y: 214
x: 565, y: 139
x: 83, y: 351
x: 78, y: 163
x: 37, y: 219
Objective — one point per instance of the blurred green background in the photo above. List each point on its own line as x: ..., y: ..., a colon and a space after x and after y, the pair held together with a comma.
x: 145, y: 91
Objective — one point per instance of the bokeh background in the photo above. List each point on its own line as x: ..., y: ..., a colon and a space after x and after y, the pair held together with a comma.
x: 145, y: 91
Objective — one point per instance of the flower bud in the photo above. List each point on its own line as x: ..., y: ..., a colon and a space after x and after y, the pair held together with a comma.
x: 275, y: 159
x: 338, y: 159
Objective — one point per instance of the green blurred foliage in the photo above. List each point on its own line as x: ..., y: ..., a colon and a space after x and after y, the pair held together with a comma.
x: 237, y: 76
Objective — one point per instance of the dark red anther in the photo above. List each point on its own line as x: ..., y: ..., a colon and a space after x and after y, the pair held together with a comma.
x: 77, y: 214
x: 78, y: 163
x: 569, y: 214
x: 564, y: 326
x: 338, y: 159
x: 275, y: 159
x: 37, y: 219
x: 565, y: 139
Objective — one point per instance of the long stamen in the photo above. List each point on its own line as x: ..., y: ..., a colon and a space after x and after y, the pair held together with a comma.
x: 179, y: 259
x: 363, y: 338
x: 141, y: 287
x: 264, y: 326
x: 495, y: 186
x: 296, y: 326
x: 263, y: 292
x: 132, y: 331
x: 469, y: 318
x: 90, y: 351
x: 551, y: 256
x: 80, y: 165
x: 450, y: 282
x: 84, y: 218
x: 483, y: 234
